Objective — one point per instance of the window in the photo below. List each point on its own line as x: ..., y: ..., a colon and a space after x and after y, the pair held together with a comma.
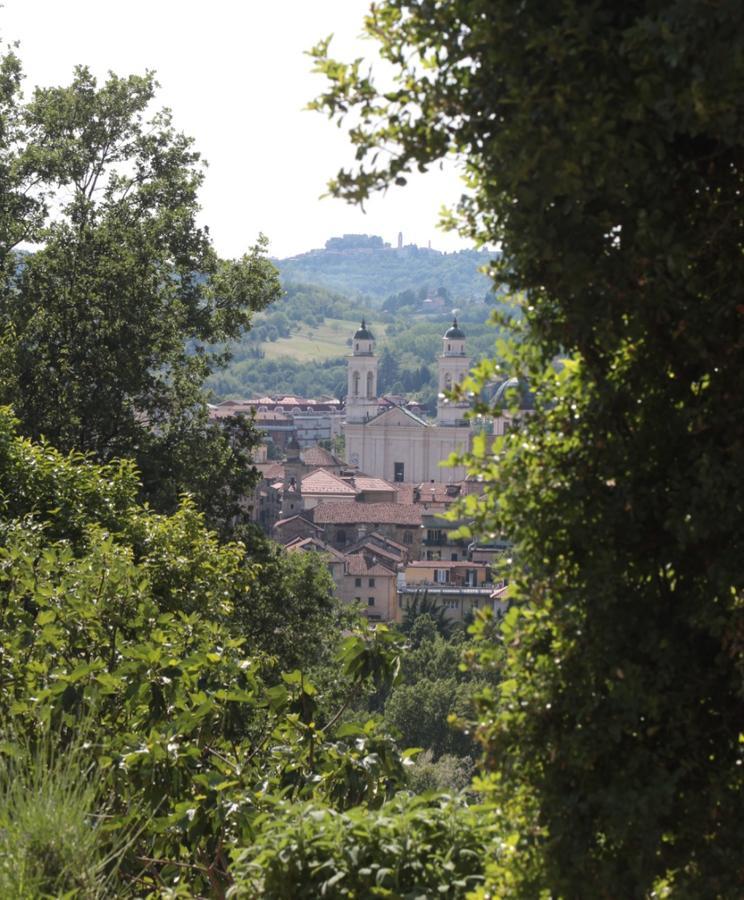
x: 356, y: 384
x: 399, y: 469
x: 357, y: 582
x: 370, y: 601
x: 441, y: 576
x: 453, y: 557
x: 340, y: 536
x: 371, y: 582
x: 370, y: 391
x: 407, y: 537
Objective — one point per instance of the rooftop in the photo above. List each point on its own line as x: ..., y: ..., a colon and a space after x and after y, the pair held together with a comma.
x: 358, y: 564
x: 343, y: 512
x: 322, y: 482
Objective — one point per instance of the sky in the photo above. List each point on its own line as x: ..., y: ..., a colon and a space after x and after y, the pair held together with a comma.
x: 235, y: 74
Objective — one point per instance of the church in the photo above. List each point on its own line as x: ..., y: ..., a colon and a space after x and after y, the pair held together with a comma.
x: 396, y: 444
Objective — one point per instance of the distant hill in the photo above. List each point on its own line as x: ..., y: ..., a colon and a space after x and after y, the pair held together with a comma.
x: 363, y: 265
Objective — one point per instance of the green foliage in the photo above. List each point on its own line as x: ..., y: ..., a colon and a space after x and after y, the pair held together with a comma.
x: 127, y: 627
x: 291, y: 612
x: 378, y: 272
x: 412, y: 847
x: 603, y: 145
x: 53, y: 840
x: 104, y: 326
x: 450, y: 773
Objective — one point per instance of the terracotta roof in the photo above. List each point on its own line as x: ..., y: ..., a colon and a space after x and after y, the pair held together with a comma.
x: 297, y: 516
x: 405, y: 493
x: 310, y: 543
x: 322, y: 482
x: 343, y: 512
x: 440, y: 492
x: 358, y: 564
x: 319, y: 457
x: 390, y: 553
x: 375, y: 535
x: 366, y: 483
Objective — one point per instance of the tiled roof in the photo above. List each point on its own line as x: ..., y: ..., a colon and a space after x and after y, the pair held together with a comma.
x: 342, y: 512
x: 319, y: 456
x: 301, y: 518
x: 405, y: 493
x: 322, y: 482
x: 394, y: 556
x: 440, y: 493
x: 376, y: 536
x: 311, y: 543
x: 358, y: 564
x: 366, y: 483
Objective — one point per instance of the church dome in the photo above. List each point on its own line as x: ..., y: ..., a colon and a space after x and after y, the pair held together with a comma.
x: 454, y: 332
x: 504, y: 394
x: 363, y: 333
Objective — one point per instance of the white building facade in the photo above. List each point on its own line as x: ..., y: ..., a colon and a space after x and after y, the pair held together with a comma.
x: 396, y: 444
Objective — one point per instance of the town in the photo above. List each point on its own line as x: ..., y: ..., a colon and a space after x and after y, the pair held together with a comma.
x: 379, y: 515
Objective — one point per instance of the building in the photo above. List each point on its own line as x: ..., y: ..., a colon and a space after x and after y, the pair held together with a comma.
x: 396, y: 444
x: 460, y: 588
x: 345, y: 523
x: 285, y: 419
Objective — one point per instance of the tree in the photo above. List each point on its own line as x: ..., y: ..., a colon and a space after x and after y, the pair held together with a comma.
x: 105, y: 325
x: 604, y: 150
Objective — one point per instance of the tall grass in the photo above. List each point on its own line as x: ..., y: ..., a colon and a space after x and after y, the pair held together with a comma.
x: 52, y: 840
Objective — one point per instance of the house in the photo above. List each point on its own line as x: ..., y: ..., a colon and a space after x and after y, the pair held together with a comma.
x: 344, y: 523
x: 460, y: 588
x: 335, y: 561
x: 324, y: 485
x: 295, y: 526
x: 371, y: 585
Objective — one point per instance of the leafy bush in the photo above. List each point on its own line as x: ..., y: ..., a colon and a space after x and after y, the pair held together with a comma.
x: 411, y: 847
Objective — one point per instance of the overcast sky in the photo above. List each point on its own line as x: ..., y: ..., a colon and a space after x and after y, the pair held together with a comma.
x: 235, y: 75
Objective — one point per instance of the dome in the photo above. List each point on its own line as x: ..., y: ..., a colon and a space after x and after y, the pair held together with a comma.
x: 504, y: 394
x: 363, y: 333
x: 454, y: 332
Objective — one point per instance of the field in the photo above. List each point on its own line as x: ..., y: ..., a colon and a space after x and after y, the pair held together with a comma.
x: 323, y: 342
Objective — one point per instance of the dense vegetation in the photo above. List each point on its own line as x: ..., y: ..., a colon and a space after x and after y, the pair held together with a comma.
x: 604, y: 145
x: 174, y: 701
x: 188, y: 714
x: 408, y: 342
x: 376, y: 272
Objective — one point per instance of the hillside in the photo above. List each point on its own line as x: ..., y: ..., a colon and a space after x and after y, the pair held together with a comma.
x: 361, y: 265
x: 299, y: 343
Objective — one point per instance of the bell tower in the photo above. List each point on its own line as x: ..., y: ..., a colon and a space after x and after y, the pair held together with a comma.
x: 453, y: 366
x: 361, y: 393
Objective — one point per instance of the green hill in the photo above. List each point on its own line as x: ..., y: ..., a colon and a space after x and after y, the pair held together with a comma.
x: 361, y: 265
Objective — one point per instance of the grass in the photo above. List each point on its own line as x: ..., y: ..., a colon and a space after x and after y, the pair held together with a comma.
x: 323, y: 342
x: 51, y: 841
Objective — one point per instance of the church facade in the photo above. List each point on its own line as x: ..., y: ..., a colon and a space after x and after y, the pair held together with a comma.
x: 396, y: 444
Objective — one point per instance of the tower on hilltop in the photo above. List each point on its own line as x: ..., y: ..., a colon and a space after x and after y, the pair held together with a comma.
x: 361, y: 393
